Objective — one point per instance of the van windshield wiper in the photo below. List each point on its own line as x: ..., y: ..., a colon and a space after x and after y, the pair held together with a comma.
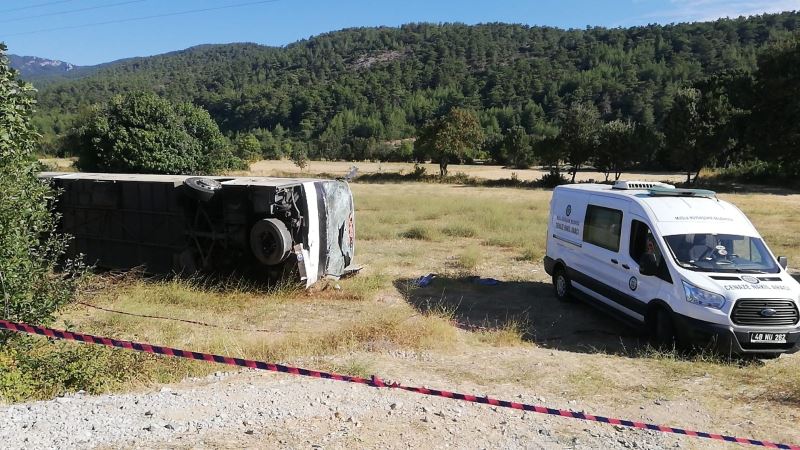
x: 749, y: 270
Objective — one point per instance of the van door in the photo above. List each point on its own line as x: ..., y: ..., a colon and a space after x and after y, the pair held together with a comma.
x: 598, y: 272
x: 642, y: 241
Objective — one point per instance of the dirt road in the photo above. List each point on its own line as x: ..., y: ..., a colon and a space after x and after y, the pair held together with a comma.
x: 249, y: 409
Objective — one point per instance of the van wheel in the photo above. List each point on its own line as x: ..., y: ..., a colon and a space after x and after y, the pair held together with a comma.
x: 562, y: 285
x: 662, y: 330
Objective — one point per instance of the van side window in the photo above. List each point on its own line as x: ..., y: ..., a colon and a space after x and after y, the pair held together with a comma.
x: 603, y: 227
x: 643, y: 241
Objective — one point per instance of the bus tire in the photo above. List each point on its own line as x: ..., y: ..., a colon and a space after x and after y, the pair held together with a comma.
x: 270, y: 241
x: 201, y: 188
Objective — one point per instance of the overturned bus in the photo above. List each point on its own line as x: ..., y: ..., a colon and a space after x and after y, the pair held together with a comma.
x: 259, y: 226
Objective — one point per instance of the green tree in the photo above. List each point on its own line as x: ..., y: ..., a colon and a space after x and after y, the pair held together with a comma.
x: 775, y: 126
x: 30, y: 247
x: 550, y: 152
x: 248, y: 147
x: 300, y: 156
x: 616, y: 147
x: 579, y: 134
x: 141, y: 132
x: 453, y: 137
x: 683, y: 127
x: 517, y: 145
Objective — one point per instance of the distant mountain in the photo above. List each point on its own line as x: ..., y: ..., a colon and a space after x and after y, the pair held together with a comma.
x: 43, y: 71
x: 33, y: 66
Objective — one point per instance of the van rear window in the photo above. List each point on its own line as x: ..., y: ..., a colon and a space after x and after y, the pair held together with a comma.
x: 602, y: 227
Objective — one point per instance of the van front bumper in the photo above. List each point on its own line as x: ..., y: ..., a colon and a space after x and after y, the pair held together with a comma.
x: 725, y: 340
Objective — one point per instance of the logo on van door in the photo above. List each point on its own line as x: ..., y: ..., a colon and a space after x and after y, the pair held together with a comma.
x: 569, y: 210
x: 633, y: 283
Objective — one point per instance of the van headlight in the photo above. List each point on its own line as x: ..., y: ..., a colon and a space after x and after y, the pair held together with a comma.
x: 702, y: 297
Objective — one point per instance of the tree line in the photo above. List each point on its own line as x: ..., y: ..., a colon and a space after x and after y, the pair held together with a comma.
x: 596, y: 96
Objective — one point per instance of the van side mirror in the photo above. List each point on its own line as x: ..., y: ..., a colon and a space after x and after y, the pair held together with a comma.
x: 648, y: 265
x: 783, y: 261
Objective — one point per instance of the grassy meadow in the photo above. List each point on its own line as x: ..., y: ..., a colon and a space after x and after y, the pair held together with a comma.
x: 405, y: 231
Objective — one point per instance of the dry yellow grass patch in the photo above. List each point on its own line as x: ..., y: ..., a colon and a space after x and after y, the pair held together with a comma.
x: 488, y: 172
x: 777, y: 218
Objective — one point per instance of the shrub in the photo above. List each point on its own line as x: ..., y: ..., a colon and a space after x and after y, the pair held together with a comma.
x: 755, y: 171
x: 460, y: 230
x: 552, y: 180
x: 141, y: 132
x: 417, y: 232
x: 248, y: 148
x: 419, y: 171
x: 300, y: 156
x: 469, y: 258
x: 30, y: 248
x: 37, y: 369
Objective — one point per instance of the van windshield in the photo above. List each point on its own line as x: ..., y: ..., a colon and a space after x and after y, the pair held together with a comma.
x: 721, y: 253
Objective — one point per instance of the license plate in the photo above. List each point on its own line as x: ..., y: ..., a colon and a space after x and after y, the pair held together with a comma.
x: 768, y: 338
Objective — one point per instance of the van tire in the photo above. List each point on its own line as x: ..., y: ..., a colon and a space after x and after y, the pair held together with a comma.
x: 662, y: 330
x: 561, y: 284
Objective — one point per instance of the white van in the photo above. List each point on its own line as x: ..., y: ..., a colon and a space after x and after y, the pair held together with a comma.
x: 688, y: 267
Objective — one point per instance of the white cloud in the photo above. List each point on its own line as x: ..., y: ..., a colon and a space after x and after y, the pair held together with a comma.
x: 704, y: 10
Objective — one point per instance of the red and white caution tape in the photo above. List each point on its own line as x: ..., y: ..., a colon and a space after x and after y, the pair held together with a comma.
x: 373, y: 382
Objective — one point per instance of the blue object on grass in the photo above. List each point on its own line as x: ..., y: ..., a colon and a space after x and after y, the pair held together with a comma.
x: 488, y: 281
x: 424, y: 280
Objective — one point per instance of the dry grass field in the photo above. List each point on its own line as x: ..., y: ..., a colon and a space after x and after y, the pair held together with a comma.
x: 487, y: 172
x: 513, y: 336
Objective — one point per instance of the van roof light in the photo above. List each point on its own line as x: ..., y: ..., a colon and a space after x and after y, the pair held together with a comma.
x: 657, y: 191
x: 625, y: 185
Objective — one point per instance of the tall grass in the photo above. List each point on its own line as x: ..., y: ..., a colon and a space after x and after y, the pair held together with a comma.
x: 469, y: 258
x: 510, y: 218
x: 517, y: 218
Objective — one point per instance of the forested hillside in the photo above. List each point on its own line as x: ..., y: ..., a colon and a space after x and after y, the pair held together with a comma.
x: 345, y: 94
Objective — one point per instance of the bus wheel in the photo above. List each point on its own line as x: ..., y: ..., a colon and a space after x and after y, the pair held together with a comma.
x: 201, y: 188
x: 270, y: 241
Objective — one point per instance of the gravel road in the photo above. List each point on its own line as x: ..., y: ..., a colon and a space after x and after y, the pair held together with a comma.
x: 255, y: 409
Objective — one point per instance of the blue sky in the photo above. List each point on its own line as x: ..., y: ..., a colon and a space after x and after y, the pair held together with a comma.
x: 71, y: 30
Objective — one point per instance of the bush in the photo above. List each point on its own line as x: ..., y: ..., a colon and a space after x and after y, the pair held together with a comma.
x: 141, y: 132
x: 30, y: 248
x: 300, y: 156
x: 417, y: 232
x: 419, y: 171
x: 37, y: 369
x: 248, y: 148
x: 755, y: 171
x: 552, y: 180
